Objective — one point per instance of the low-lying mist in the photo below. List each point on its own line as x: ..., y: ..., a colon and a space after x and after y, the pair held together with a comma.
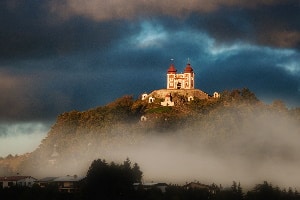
x: 261, y: 147
x: 265, y: 149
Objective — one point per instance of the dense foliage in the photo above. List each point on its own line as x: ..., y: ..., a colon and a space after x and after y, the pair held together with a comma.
x: 111, y: 181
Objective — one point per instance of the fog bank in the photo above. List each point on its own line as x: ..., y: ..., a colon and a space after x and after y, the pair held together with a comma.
x: 265, y: 148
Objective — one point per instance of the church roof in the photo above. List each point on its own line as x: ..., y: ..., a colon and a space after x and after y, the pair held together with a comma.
x: 188, y: 68
x: 172, y: 69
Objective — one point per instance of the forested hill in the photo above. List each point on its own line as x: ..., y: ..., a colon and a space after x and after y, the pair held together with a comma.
x: 109, y: 131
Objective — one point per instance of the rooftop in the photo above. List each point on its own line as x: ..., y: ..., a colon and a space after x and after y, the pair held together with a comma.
x: 13, y: 178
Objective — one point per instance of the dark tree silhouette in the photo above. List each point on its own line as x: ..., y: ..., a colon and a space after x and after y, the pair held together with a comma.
x: 111, y: 181
x: 232, y: 193
x: 264, y: 191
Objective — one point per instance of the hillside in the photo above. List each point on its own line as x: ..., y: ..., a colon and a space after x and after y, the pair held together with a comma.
x: 115, y: 131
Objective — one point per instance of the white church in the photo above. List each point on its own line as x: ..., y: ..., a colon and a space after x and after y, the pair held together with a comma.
x: 178, y: 83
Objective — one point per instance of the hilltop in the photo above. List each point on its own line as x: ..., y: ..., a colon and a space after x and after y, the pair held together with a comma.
x: 199, y: 94
x: 126, y: 124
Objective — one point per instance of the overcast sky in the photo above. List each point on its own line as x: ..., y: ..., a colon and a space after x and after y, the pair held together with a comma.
x: 62, y: 55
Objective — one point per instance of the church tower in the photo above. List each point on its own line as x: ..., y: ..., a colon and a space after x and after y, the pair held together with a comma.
x: 189, y: 77
x: 171, y: 77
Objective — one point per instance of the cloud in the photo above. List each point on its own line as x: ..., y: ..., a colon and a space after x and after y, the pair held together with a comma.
x: 292, y: 67
x: 30, y: 96
x: 20, y: 138
x: 14, y: 102
x: 255, y: 68
x: 264, y: 22
x: 150, y: 36
x: 272, y: 25
x: 118, y: 9
x: 58, y: 28
x: 283, y: 38
x: 28, y: 32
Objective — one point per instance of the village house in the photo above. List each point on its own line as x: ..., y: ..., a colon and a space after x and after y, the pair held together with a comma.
x: 44, y: 182
x: 147, y: 186
x: 9, y: 181
x: 68, y: 184
x: 168, y: 101
x: 199, y: 186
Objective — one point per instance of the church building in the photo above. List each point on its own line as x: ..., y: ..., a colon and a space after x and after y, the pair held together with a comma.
x: 177, y: 84
x: 184, y: 80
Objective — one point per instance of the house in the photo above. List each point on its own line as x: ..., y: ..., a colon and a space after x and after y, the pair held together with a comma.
x: 144, y: 96
x: 217, y: 95
x: 143, y: 118
x: 190, y: 98
x: 147, y: 186
x: 168, y: 101
x: 199, y: 186
x: 151, y: 99
x: 45, y: 181
x: 9, y: 181
x: 68, y: 184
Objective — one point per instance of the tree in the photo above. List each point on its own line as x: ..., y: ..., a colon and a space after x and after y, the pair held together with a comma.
x: 279, y: 105
x: 111, y: 181
x: 248, y: 96
x: 264, y: 191
x: 137, y: 173
x: 234, y: 193
x: 237, y: 191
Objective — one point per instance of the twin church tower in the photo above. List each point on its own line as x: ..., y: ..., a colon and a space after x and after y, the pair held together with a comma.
x: 185, y: 80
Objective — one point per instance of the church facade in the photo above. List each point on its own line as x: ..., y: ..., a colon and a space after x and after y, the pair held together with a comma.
x: 185, y: 80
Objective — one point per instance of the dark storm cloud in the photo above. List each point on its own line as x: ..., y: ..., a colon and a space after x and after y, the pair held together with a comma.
x: 266, y: 22
x: 257, y: 70
x: 272, y: 25
x: 35, y: 29
x: 27, y: 95
x: 27, y: 31
x: 31, y: 28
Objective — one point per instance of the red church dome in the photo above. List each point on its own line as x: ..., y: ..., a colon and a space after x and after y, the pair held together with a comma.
x: 188, y: 68
x: 172, y: 69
